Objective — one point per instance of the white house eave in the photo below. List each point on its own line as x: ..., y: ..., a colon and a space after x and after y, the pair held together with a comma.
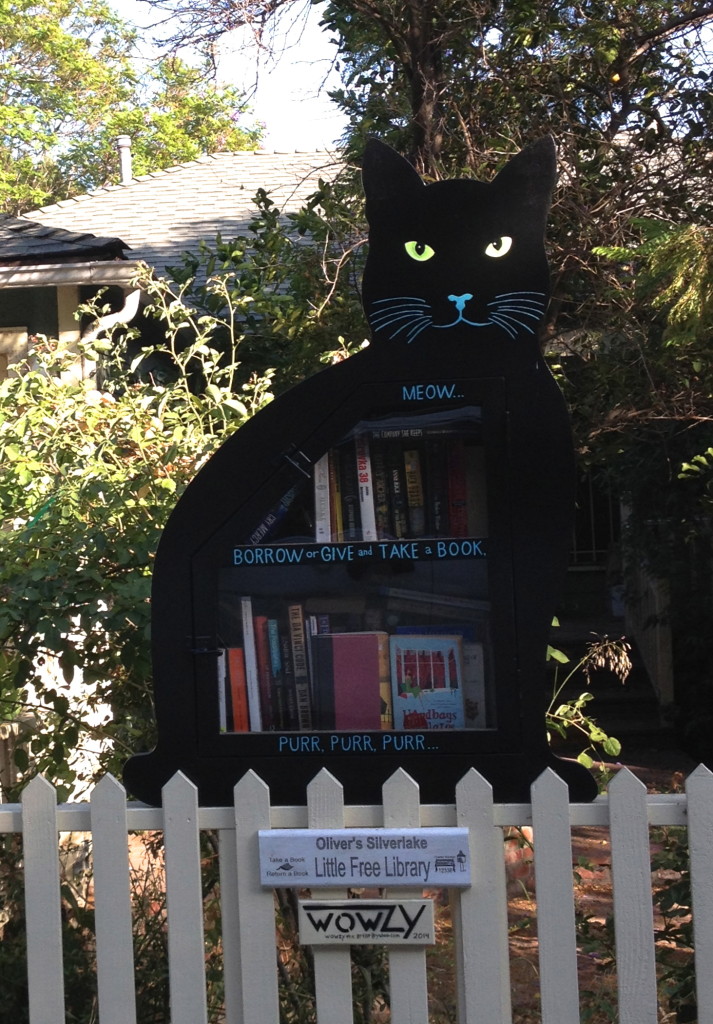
x: 117, y: 272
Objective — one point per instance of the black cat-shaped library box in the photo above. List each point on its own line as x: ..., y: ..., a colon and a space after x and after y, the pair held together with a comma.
x: 363, y: 577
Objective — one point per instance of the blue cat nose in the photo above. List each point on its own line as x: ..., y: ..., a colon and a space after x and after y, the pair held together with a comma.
x: 460, y: 300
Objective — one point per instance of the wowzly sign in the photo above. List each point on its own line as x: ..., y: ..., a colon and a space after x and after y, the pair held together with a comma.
x: 363, y: 922
x: 362, y: 856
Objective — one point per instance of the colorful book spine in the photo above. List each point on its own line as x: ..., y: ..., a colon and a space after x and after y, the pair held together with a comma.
x: 222, y: 681
x: 277, y: 678
x: 382, y: 515
x: 288, y: 676
x: 349, y: 479
x: 336, y: 519
x: 398, y: 501
x: 367, y: 505
x: 300, y: 666
x: 251, y: 669
x: 262, y: 652
x: 322, y: 503
x: 436, y: 462
x: 240, y: 716
x: 274, y: 517
x: 414, y: 492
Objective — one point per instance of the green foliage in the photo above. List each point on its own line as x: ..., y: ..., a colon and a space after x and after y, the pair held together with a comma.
x: 572, y: 715
x: 176, y: 114
x: 88, y: 479
x: 674, y: 274
x: 642, y: 402
x: 68, y: 87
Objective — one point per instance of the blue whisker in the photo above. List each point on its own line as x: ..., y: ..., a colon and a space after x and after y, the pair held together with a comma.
x: 517, y: 309
x: 417, y: 330
x: 504, y: 326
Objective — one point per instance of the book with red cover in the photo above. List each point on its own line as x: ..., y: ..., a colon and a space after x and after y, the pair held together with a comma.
x: 264, y: 675
x: 237, y: 683
x: 352, y: 687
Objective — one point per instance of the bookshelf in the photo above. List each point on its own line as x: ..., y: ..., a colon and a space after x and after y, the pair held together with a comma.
x: 363, y: 601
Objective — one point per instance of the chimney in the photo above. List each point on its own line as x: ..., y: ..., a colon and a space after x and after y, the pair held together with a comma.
x: 124, y: 144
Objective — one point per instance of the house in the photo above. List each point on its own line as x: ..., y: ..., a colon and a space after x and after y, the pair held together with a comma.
x: 50, y: 263
x: 45, y: 272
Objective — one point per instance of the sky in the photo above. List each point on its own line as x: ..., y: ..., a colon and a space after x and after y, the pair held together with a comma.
x: 288, y: 90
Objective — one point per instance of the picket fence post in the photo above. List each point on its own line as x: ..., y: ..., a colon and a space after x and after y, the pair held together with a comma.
x: 557, y: 938
x: 407, y: 967
x: 633, y: 904
x: 332, y: 967
x: 184, y: 904
x: 480, y: 913
x: 43, y: 923
x: 112, y: 904
x: 253, y: 964
x: 699, y: 791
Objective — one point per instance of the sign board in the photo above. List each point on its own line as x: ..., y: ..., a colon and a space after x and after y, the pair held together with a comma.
x: 366, y: 922
x: 298, y: 858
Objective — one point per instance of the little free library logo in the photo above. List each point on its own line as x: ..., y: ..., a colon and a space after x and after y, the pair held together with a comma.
x: 358, y: 857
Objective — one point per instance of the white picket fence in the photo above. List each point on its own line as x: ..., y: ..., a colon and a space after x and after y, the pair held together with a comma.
x: 248, y: 911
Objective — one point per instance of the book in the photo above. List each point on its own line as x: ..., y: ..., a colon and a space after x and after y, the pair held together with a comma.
x: 427, y: 681
x: 274, y: 517
x: 277, y: 676
x: 336, y: 520
x: 288, y: 681
x: 365, y: 481
x: 239, y: 720
x: 262, y: 653
x: 474, y: 700
x: 300, y: 668
x: 349, y: 482
x: 414, y: 493
x: 251, y: 669
x: 476, y: 494
x: 352, y: 687
x: 222, y: 673
x: 457, y: 489
x: 322, y: 504
x: 436, y: 480
x: 382, y: 514
x: 396, y: 477
x: 474, y: 685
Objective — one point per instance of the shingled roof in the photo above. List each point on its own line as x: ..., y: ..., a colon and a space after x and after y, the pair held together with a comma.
x: 164, y: 214
x: 24, y: 242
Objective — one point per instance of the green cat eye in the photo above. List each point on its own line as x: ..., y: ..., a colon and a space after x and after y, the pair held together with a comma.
x: 419, y: 251
x: 499, y: 247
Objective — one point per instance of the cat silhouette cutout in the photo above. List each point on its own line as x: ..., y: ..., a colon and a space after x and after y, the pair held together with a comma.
x: 455, y: 290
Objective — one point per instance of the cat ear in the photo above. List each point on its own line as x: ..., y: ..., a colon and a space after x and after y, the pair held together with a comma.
x: 529, y: 177
x: 386, y: 175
